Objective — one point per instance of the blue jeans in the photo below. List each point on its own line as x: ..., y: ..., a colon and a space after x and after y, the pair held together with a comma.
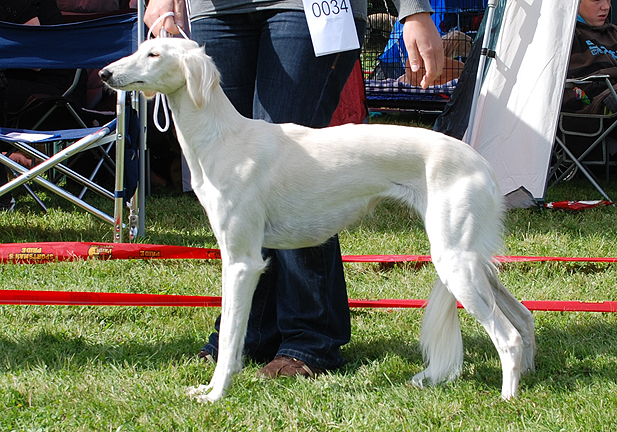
x: 269, y: 71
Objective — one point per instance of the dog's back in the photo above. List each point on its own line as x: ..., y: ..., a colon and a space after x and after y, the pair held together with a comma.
x: 345, y: 170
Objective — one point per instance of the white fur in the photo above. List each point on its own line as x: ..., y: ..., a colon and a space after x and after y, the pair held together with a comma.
x: 287, y: 186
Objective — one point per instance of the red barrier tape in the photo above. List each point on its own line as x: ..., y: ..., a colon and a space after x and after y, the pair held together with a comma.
x: 23, y: 297
x: 69, y: 251
x: 499, y: 258
x: 27, y: 297
x: 33, y: 253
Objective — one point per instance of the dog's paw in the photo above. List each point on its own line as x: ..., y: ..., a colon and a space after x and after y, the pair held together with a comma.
x: 197, y: 391
x: 418, y: 380
x: 508, y: 394
x: 211, y: 397
x: 203, y: 399
x: 205, y: 393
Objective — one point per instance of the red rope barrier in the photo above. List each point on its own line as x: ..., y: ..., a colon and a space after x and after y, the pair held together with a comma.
x: 78, y: 298
x: 69, y: 251
x: 44, y: 252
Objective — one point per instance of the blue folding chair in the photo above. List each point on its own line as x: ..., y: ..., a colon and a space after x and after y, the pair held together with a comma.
x: 88, y: 44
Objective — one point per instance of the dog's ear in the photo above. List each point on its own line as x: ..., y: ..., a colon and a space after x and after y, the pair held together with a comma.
x: 201, y: 76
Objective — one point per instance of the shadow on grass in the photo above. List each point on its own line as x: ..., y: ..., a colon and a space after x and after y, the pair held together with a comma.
x: 57, y: 351
x: 27, y: 234
x: 567, y: 357
x: 96, y: 232
x: 171, y: 218
x: 576, y: 354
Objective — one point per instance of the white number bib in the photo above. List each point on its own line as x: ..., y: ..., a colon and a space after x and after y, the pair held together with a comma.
x: 331, y: 25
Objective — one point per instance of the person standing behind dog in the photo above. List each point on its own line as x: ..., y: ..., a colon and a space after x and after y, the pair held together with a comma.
x: 300, y: 313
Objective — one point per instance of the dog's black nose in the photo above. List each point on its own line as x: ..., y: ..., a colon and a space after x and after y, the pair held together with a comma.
x: 105, y: 74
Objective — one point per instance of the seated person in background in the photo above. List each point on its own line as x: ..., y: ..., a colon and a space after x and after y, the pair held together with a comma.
x: 22, y: 84
x: 32, y: 12
x: 594, y: 52
x: 18, y: 85
x: 456, y: 47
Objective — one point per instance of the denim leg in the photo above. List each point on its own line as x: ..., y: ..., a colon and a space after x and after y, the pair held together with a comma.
x: 233, y: 43
x: 300, y: 305
x: 293, y: 85
x: 263, y: 337
x: 312, y: 306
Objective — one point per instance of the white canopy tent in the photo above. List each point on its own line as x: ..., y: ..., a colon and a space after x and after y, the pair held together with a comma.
x: 516, y: 111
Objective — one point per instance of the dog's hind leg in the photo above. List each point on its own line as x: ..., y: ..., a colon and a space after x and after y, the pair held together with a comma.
x: 466, y: 276
x: 440, y: 340
x: 240, y: 277
x: 520, y: 317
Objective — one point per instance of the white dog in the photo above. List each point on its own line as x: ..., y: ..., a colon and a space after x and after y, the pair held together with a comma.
x: 285, y: 186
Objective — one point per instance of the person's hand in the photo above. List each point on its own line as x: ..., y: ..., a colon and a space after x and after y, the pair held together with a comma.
x: 424, y: 45
x: 157, y: 8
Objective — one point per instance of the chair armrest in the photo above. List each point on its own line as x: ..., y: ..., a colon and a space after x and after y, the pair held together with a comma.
x: 572, y: 82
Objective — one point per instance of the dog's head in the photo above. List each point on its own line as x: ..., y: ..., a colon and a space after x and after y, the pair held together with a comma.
x: 165, y: 65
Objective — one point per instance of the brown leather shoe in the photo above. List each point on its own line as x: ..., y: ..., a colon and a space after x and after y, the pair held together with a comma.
x: 285, y: 366
x: 207, y: 356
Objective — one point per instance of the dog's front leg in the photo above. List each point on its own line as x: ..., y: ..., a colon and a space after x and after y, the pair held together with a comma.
x: 240, y: 278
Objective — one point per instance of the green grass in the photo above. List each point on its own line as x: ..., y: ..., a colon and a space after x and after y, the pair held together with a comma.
x: 69, y: 368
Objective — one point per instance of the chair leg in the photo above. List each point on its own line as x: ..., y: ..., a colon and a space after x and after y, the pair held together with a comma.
x: 35, y: 197
x: 100, y: 162
x: 583, y: 169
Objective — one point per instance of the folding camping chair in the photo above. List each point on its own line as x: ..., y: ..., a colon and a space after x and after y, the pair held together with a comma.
x: 582, y: 140
x: 88, y: 44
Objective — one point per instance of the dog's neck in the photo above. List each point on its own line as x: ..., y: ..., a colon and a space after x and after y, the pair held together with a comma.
x: 215, y: 119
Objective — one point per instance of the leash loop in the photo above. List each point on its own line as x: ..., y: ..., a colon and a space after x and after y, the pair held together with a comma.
x: 160, y: 100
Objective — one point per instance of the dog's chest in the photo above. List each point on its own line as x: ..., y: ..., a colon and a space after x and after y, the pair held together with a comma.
x: 308, y: 226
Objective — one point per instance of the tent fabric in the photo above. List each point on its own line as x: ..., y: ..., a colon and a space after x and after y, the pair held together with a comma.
x: 520, y: 99
x: 71, y: 45
x: 519, y: 102
x: 454, y: 118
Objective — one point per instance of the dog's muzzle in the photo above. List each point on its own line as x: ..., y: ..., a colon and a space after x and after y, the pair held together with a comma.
x: 105, y: 74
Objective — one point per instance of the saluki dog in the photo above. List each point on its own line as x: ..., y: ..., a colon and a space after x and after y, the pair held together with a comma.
x: 285, y: 186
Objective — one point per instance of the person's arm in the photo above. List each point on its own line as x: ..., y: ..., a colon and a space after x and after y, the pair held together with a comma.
x: 422, y: 40
x: 423, y: 45
x: 157, y: 8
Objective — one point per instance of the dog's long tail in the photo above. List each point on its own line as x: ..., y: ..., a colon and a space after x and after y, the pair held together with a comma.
x: 441, y: 339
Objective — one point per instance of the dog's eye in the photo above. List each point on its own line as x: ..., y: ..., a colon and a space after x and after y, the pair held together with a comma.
x: 153, y: 54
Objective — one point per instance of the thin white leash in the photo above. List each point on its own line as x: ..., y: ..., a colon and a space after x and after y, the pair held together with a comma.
x: 160, y: 100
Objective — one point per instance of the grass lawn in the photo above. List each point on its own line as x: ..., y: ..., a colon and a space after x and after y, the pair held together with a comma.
x: 72, y: 368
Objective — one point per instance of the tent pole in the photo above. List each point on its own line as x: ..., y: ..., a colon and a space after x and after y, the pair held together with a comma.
x: 492, y: 4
